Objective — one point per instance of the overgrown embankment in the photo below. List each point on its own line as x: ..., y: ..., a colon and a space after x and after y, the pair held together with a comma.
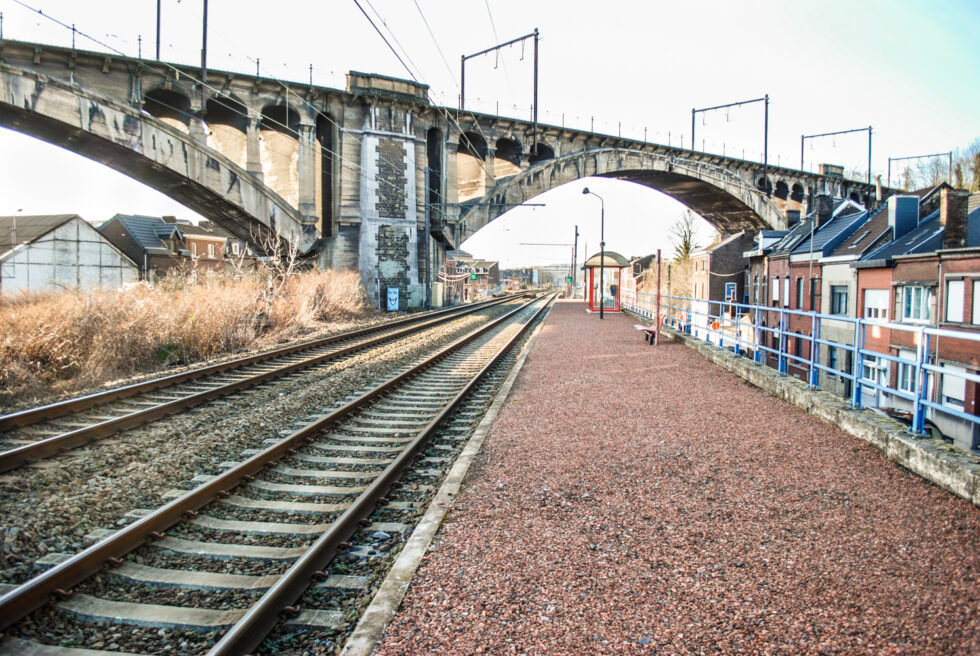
x: 66, y: 341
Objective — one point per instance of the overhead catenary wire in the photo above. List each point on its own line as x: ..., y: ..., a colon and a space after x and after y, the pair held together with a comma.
x: 219, y: 93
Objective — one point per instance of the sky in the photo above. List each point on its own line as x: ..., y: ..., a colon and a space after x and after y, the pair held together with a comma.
x: 906, y: 68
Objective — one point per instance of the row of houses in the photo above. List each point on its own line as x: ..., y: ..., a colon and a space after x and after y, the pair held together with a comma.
x: 63, y: 251
x: 910, y: 262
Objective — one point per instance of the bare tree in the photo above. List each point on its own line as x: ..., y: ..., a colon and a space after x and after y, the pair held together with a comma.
x: 279, y: 258
x: 683, y: 234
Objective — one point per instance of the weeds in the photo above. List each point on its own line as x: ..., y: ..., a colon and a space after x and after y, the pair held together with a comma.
x: 59, y: 342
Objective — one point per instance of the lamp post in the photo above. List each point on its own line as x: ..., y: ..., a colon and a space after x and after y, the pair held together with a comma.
x: 602, y: 246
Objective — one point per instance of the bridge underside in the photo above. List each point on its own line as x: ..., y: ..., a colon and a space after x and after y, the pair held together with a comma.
x: 125, y: 160
x: 718, y: 207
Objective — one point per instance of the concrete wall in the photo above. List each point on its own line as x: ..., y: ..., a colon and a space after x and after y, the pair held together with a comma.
x: 72, y: 256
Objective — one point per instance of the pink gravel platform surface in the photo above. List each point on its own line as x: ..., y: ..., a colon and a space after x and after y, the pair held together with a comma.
x: 638, y: 500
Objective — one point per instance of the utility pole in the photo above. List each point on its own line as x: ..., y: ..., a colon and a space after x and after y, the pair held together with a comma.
x: 574, y: 262
x: 158, y: 30
x: 204, y: 58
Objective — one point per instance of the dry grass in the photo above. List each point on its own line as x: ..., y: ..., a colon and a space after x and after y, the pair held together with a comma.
x: 60, y: 342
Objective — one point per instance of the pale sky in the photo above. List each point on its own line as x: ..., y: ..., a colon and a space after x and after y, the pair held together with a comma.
x: 909, y: 69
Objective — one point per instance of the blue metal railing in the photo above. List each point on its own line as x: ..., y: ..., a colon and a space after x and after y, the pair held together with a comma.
x: 762, y: 332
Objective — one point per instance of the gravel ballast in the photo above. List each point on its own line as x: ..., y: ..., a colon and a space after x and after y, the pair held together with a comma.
x: 641, y: 500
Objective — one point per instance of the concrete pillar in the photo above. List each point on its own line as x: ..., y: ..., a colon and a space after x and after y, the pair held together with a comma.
x: 195, y: 125
x: 253, y: 158
x: 308, y: 154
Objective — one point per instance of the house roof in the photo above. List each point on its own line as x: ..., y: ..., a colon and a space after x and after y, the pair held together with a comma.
x: 147, y: 231
x: 829, y: 234
x: 16, y: 230
x: 926, y: 237
x: 866, y: 236
x: 724, y: 242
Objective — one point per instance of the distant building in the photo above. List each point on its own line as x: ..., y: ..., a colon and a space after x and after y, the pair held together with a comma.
x: 162, y: 244
x: 61, y: 251
x: 467, y: 278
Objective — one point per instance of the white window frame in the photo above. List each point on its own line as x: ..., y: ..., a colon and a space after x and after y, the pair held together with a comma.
x: 211, y: 251
x: 906, y: 372
x: 786, y: 291
x: 915, y: 303
x: 194, y: 248
x: 775, y: 289
x: 955, y: 298
x: 847, y: 300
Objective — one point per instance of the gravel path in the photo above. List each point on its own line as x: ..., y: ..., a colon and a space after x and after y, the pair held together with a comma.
x: 639, y: 500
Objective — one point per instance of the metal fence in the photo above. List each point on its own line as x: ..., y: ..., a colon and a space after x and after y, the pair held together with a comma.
x: 746, y: 330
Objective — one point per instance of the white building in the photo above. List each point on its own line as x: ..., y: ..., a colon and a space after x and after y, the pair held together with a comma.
x: 61, y: 251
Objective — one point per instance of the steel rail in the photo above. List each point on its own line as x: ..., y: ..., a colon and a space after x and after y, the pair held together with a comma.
x: 72, y: 406
x: 59, y: 579
x: 249, y: 632
x: 44, y: 448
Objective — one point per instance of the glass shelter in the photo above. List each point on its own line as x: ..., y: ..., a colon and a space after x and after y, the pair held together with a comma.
x: 611, y: 268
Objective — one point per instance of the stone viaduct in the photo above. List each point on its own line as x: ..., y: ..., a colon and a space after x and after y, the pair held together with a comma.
x: 353, y: 177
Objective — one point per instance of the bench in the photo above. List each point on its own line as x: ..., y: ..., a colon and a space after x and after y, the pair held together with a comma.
x: 649, y: 333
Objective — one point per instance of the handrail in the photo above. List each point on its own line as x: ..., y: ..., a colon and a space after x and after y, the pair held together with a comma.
x: 916, y: 383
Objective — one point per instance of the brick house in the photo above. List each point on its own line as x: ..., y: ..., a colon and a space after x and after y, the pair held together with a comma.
x: 718, y: 274
x: 929, y: 276
x: 162, y: 244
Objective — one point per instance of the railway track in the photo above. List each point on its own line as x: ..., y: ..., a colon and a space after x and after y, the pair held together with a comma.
x: 272, y: 543
x: 51, y: 429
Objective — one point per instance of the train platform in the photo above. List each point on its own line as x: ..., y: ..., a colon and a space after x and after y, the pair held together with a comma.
x: 638, y: 500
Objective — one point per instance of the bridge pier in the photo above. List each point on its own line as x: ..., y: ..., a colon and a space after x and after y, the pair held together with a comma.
x: 253, y: 157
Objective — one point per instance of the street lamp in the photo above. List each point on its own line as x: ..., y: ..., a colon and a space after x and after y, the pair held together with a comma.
x: 602, y: 246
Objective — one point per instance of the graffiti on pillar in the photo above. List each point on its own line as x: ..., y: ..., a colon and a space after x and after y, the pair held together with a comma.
x: 393, y: 266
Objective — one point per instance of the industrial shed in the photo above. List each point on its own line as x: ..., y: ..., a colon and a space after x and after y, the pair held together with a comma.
x: 60, y: 251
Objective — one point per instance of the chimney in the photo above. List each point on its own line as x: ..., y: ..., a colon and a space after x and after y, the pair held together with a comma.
x: 825, y: 208
x: 903, y: 214
x: 953, y: 215
x: 878, y: 189
x: 207, y: 225
x: 169, y: 219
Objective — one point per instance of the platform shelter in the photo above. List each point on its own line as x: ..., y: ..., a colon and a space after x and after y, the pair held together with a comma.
x: 609, y: 269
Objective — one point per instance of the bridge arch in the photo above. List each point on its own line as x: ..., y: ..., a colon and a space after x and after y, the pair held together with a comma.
x: 148, y: 149
x: 226, y: 118
x: 726, y: 200
x: 279, y: 150
x: 471, y: 174
x: 170, y: 106
x: 506, y: 158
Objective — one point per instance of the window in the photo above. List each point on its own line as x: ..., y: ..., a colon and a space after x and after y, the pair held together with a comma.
x: 799, y: 293
x: 876, y: 304
x: 976, y: 301
x: 755, y: 290
x: 786, y: 291
x: 211, y: 250
x: 838, y: 299
x: 953, y: 386
x: 798, y: 347
x: 814, y: 294
x: 832, y: 358
x: 236, y: 248
x: 915, y: 303
x: 194, y: 249
x: 954, y: 300
x: 775, y: 290
x: 906, y: 372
